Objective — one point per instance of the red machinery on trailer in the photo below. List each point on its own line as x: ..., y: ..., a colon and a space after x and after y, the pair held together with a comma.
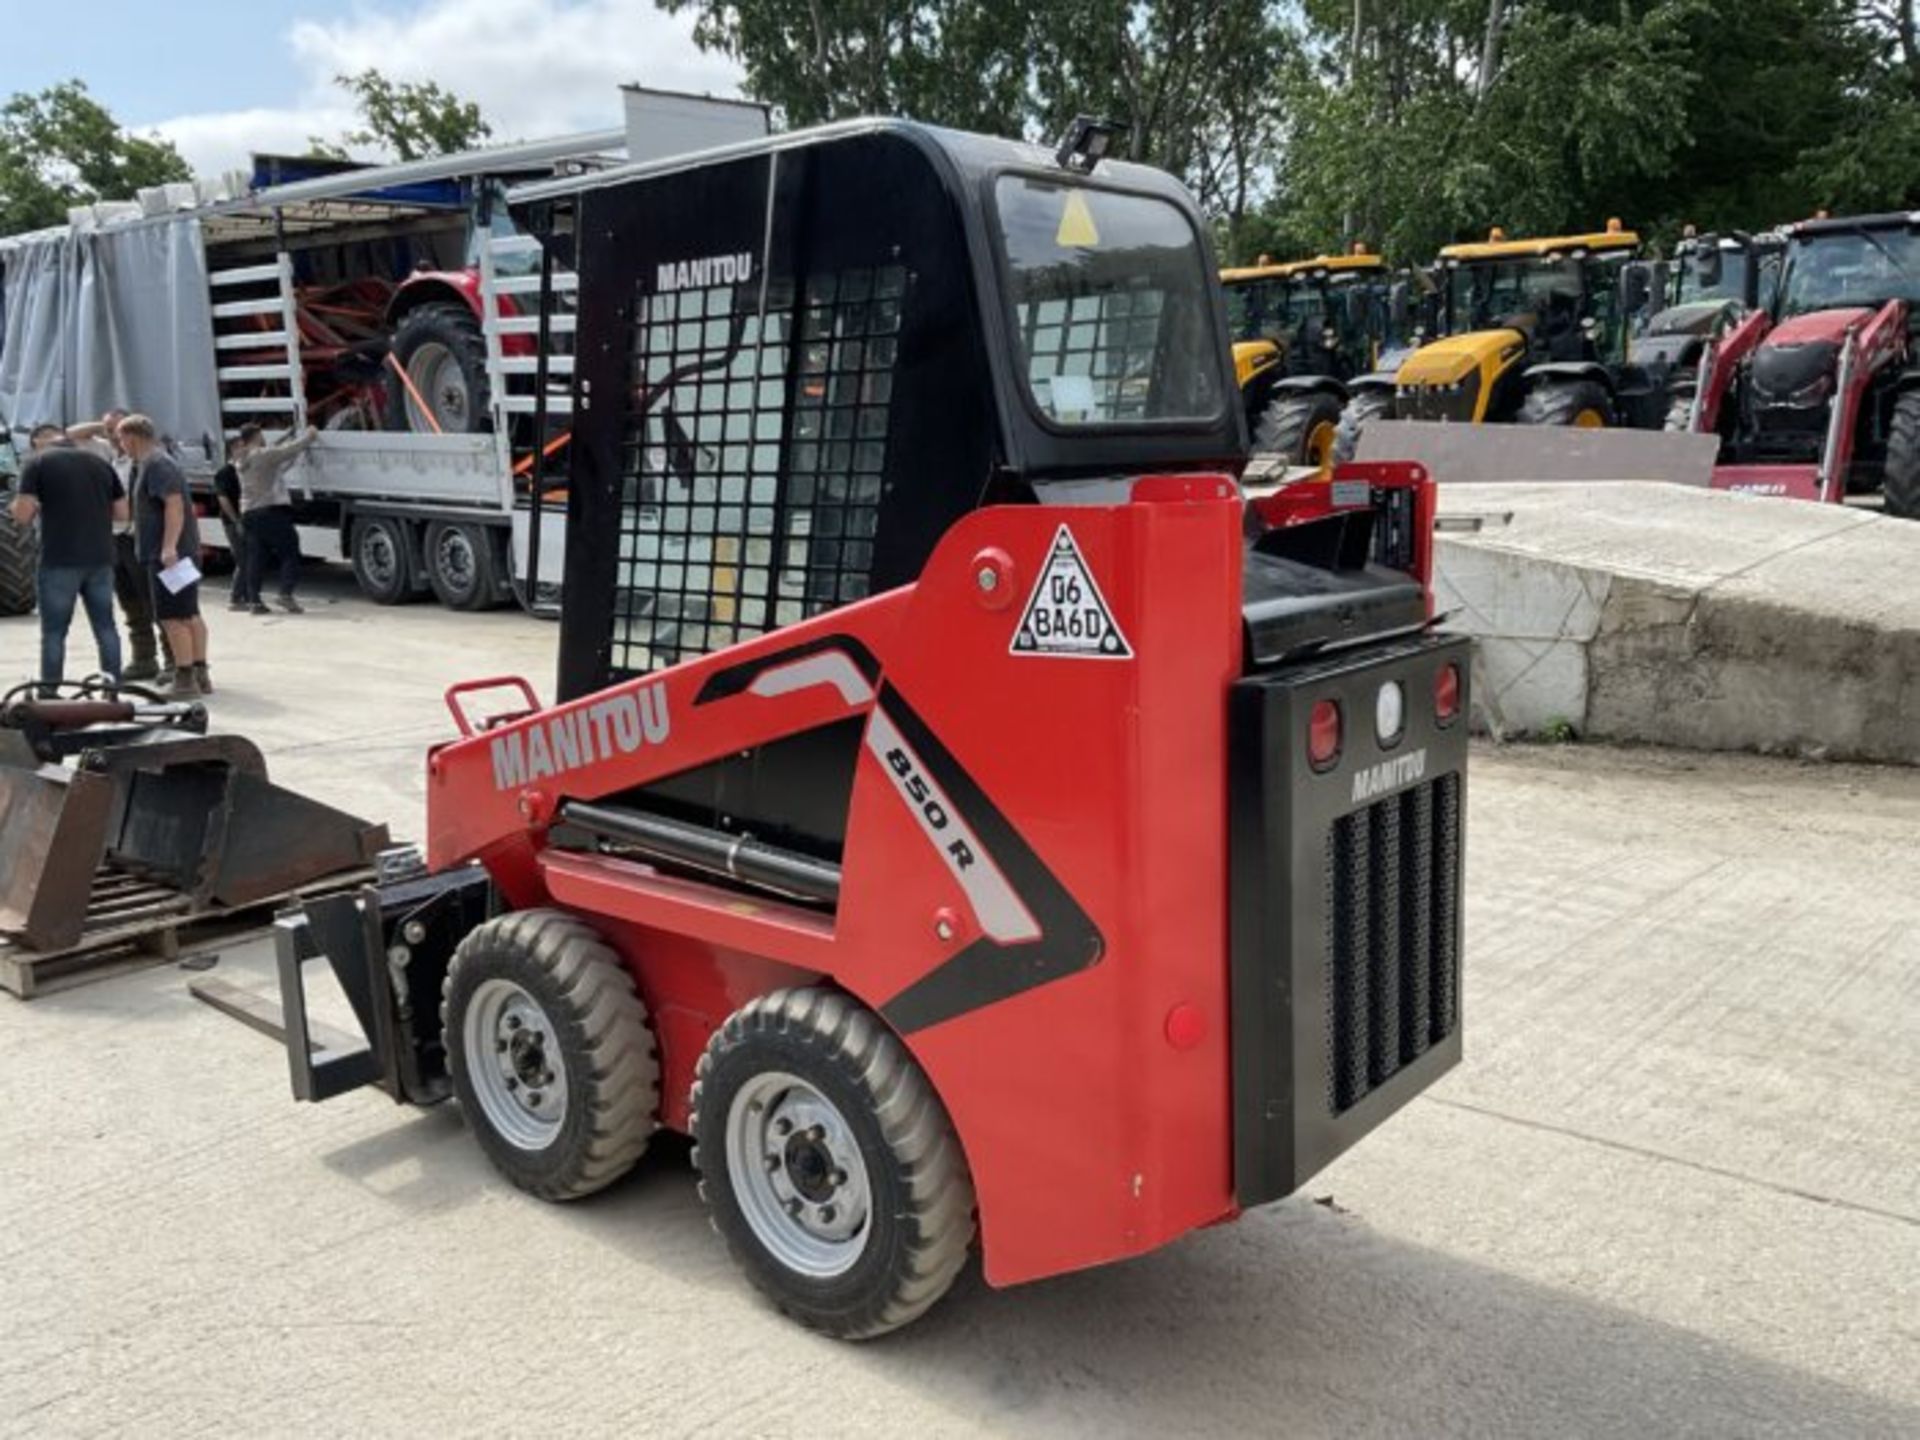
x: 951, y: 816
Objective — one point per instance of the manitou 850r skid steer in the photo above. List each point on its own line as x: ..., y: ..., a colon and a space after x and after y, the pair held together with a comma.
x: 950, y: 816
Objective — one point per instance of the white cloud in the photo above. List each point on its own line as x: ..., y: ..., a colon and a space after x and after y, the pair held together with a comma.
x: 536, y: 68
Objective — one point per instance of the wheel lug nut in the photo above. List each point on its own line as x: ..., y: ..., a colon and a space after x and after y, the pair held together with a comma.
x: 793, y: 1208
x: 826, y: 1214
x: 818, y: 1132
x: 837, y: 1179
x: 512, y: 1084
x: 513, y: 1022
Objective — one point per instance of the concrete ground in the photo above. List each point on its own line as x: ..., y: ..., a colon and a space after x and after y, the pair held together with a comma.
x: 1673, y: 1190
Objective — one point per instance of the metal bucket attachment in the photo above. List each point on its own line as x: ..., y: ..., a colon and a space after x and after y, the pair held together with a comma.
x: 53, y: 833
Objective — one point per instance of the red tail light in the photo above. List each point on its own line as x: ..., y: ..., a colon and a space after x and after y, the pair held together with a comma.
x: 1323, y: 734
x: 1446, y: 693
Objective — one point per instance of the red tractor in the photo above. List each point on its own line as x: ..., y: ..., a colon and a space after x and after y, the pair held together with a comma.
x: 1824, y: 397
x: 959, y: 814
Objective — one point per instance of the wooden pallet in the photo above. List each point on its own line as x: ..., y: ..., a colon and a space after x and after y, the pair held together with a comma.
x: 133, y: 923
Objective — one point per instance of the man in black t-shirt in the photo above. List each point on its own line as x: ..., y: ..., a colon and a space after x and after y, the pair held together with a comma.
x: 245, y: 590
x: 165, y: 533
x: 77, y: 498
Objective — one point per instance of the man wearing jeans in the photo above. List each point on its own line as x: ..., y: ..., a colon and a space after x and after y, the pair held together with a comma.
x: 77, y: 498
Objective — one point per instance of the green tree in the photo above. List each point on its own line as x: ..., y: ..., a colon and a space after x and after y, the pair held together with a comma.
x: 410, y: 120
x: 60, y: 148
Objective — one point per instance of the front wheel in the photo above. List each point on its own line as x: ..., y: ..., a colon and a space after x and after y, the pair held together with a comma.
x: 1581, y: 404
x: 1299, y: 427
x: 829, y: 1165
x: 1366, y: 406
x: 551, y: 1057
x: 1900, y: 481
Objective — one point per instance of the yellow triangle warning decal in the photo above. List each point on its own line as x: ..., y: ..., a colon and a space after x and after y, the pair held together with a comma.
x: 1076, y: 223
x: 1066, y: 615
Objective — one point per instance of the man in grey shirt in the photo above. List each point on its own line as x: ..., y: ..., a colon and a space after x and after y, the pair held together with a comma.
x: 266, y: 507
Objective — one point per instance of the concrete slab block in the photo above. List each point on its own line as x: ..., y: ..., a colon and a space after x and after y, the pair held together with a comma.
x: 1650, y: 612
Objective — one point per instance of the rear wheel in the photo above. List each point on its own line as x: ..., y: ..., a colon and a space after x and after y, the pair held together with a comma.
x: 1367, y: 405
x: 19, y: 563
x: 1900, y: 481
x: 382, y: 552
x: 1299, y: 426
x: 444, y: 356
x: 829, y: 1165
x: 1582, y: 404
x: 550, y: 1054
x: 463, y: 568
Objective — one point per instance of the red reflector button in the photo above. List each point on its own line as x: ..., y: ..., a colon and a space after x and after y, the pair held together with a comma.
x: 1446, y: 693
x: 1323, y: 734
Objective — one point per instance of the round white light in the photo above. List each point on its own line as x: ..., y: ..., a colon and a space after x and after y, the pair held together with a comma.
x: 1389, y: 712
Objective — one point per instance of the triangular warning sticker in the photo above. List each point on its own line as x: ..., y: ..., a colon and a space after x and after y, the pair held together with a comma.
x: 1066, y: 614
x: 1076, y: 230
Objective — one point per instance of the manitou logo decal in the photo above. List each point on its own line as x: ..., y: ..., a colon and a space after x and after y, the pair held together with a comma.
x: 1377, y: 780
x: 708, y: 270
x: 619, y: 725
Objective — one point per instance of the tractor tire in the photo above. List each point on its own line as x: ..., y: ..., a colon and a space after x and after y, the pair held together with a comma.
x: 19, y: 565
x: 550, y: 1054
x: 1299, y: 426
x: 1582, y: 404
x: 800, y: 1087
x: 442, y: 350
x: 381, y: 548
x: 1900, y: 478
x: 463, y: 566
x: 1365, y: 406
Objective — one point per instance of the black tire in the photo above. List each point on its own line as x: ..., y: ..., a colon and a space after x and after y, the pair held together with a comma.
x: 460, y: 400
x: 463, y: 565
x: 919, y: 1222
x: 19, y: 563
x: 1565, y: 402
x: 1900, y: 479
x: 1365, y: 406
x: 381, y: 548
x: 599, y: 1052
x: 1300, y: 426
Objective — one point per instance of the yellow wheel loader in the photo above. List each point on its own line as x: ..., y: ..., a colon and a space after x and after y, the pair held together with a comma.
x: 1533, y: 332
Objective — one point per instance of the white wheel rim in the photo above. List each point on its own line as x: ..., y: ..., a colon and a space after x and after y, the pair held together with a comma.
x: 798, y: 1175
x: 515, y: 1065
x: 439, y: 380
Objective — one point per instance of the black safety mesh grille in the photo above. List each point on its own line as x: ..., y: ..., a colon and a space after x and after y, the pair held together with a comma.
x: 753, y: 460
x: 1391, y: 925
x: 1091, y: 358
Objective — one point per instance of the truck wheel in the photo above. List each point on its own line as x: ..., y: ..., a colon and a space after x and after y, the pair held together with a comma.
x: 1299, y: 427
x: 19, y: 564
x: 828, y: 1164
x: 1900, y: 480
x: 463, y: 566
x: 444, y: 354
x: 383, y: 559
x: 1366, y: 405
x: 550, y: 1054
x: 1582, y: 404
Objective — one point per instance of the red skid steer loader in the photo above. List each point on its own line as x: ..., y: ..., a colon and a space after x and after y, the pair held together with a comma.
x: 960, y: 815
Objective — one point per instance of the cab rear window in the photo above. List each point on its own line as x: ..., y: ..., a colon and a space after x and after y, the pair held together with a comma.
x: 1111, y: 305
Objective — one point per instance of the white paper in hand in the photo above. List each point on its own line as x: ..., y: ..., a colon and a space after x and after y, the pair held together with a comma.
x: 177, y: 576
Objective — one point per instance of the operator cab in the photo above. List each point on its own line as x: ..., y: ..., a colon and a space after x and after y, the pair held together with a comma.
x: 829, y: 345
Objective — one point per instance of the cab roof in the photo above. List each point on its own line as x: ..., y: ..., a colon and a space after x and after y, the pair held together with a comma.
x: 1547, y: 245
x: 1240, y: 274
x: 1840, y: 224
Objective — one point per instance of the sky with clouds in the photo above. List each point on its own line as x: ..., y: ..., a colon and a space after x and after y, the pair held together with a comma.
x: 225, y: 79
